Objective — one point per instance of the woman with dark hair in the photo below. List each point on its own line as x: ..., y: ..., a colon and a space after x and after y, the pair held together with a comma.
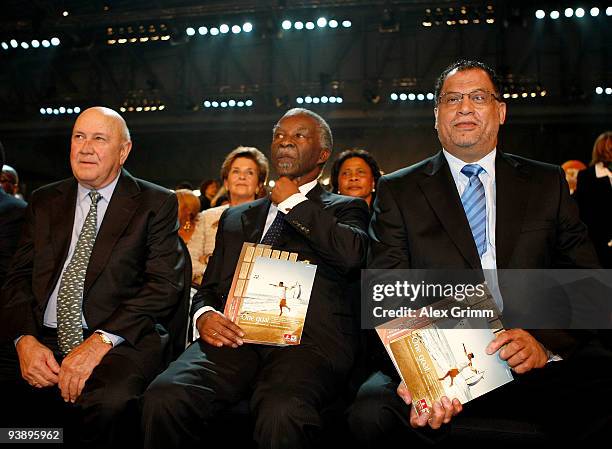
x: 355, y: 173
x: 208, y: 190
x: 594, y: 197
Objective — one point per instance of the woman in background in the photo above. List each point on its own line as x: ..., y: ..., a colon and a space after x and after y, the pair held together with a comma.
x: 355, y: 173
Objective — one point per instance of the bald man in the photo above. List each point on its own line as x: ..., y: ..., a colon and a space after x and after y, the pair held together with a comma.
x: 98, y: 269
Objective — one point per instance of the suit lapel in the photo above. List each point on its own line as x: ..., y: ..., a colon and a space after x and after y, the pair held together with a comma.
x: 119, y: 213
x: 254, y: 220
x: 512, y: 191
x: 439, y: 189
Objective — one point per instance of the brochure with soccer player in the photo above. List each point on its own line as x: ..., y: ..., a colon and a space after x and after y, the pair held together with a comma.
x: 434, y: 360
x: 269, y: 295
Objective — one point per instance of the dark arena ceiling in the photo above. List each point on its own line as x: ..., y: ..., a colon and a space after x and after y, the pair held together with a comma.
x: 364, y: 65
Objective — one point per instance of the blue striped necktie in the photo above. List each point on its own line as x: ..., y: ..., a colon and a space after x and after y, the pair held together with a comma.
x: 475, y: 206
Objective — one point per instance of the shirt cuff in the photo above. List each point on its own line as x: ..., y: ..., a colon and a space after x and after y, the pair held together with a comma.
x: 295, y: 199
x: 197, y: 315
x: 17, y: 339
x: 116, y: 339
x: 552, y: 357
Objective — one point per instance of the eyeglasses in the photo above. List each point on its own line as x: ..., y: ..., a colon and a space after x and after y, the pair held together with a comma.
x: 478, y: 97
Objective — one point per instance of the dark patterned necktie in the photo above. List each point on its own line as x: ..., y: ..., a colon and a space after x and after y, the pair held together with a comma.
x: 275, y: 230
x: 473, y: 200
x: 69, y: 297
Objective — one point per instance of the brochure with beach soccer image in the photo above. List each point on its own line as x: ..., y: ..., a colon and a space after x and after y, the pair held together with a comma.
x: 269, y: 295
x: 435, y: 361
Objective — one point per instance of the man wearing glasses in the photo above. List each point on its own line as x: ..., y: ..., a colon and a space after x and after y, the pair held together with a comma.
x: 471, y: 206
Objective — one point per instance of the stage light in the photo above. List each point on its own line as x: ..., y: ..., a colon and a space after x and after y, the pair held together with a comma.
x: 5, y: 45
x: 411, y: 97
x: 430, y: 96
x: 324, y: 99
x: 231, y: 103
x: 524, y: 95
x: 69, y: 111
x: 533, y: 94
x: 554, y: 14
x: 207, y: 104
x: 55, y: 111
x: 55, y: 41
x: 190, y: 31
x: 154, y: 108
x: 215, y: 104
x: 321, y: 22
x: 286, y: 25
x: 49, y: 111
x: 599, y: 90
x: 62, y: 110
x: 25, y: 45
x: 339, y: 100
x: 299, y: 100
x: 333, y: 23
x: 203, y: 31
x: 236, y: 29
x: 316, y: 100
x: 240, y: 104
x: 214, y: 31
x: 540, y: 14
x: 608, y: 90
x: 43, y: 111
x: 298, y: 25
x: 161, y: 107
x: 271, y: 183
x: 247, y: 27
x: 308, y: 99
x: 569, y: 12
x: 543, y: 93
x: 35, y: 44
x: 248, y: 103
x: 420, y: 97
x: 224, y: 29
x: 310, y: 26
x: 346, y: 23
x: 46, y: 43
x: 506, y: 95
x: 594, y: 11
x: 403, y: 96
x: 332, y: 99
x: 14, y: 43
x: 579, y: 13
x: 393, y: 96
x: 609, y: 11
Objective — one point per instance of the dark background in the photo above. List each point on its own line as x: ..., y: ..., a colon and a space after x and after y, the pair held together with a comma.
x: 387, y: 49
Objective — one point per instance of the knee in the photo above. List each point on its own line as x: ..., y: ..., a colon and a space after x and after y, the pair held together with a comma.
x: 160, y: 396
x: 371, y: 417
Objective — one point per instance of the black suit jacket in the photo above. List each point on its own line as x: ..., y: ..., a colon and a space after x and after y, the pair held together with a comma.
x: 12, y: 212
x: 134, y: 277
x: 419, y: 222
x: 594, y: 197
x: 330, y: 231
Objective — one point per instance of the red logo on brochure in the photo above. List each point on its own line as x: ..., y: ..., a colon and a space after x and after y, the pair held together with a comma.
x: 290, y: 338
x: 423, y: 405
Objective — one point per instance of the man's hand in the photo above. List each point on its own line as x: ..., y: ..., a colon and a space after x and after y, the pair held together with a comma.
x: 283, y: 189
x: 442, y: 413
x: 522, y: 352
x: 38, y: 365
x: 78, y: 365
x: 216, y: 330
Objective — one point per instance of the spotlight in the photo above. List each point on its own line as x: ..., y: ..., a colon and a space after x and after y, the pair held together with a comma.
x: 333, y: 23
x: 394, y: 96
x: 5, y: 45
x: 214, y: 31
x: 45, y: 43
x: 35, y: 44
x: 411, y: 96
x: 321, y: 22
x: 25, y: 45
x: 599, y: 90
x: 139, y: 109
x: 161, y: 107
x: 298, y: 25
x: 215, y: 104
x: 540, y: 14
x: 569, y: 12
x: 339, y: 100
x: 190, y: 31
x: 223, y: 104
x: 310, y: 26
x: 65, y: 13
x: 346, y: 23
x: 55, y: 41
x: 316, y: 100
x: 224, y: 29
x: 240, y: 104
x: 332, y: 99
x: 403, y: 96
x: 203, y: 31
x: 533, y: 94
x: 248, y: 103
x: 594, y: 11
x: 56, y: 112
x: 430, y: 96
x: 543, y: 93
x: 271, y: 183
x: 49, y: 111
x: 609, y: 11
x: 236, y: 29
x: 286, y: 24
x: 69, y: 111
x: 231, y: 103
x: 207, y: 104
x: 579, y: 13
x: 308, y: 99
x: 43, y: 111
x: 420, y: 97
x: 524, y: 95
x: 247, y: 27
x: 14, y: 43
x: 506, y: 95
x: 299, y: 100
x: 62, y: 110
x: 554, y: 14
x: 324, y: 99
x: 608, y: 90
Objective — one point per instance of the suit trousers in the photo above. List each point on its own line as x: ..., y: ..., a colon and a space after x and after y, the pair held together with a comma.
x: 106, y: 412
x: 288, y: 387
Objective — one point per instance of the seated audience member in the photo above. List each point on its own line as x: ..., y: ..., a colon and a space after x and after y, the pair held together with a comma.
x: 98, y: 269
x: 420, y: 222
x: 10, y: 181
x: 208, y: 190
x: 188, y: 215
x: 355, y: 173
x: 571, y: 169
x: 12, y: 211
x: 288, y: 386
x: 244, y: 173
x: 183, y: 185
x: 594, y: 197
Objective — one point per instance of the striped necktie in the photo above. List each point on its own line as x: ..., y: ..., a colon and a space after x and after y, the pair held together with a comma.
x: 70, y: 295
x: 475, y: 206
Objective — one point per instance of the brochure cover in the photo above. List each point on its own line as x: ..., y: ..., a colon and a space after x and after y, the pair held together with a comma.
x: 270, y: 294
x: 434, y: 361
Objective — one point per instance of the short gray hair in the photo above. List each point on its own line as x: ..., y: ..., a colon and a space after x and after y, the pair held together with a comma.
x: 327, y: 140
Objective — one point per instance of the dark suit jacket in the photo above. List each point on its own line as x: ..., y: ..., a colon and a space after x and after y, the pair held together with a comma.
x: 419, y: 222
x: 330, y: 231
x: 12, y: 212
x: 134, y: 277
x: 594, y: 197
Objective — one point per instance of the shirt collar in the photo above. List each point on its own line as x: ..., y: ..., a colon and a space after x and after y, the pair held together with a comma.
x: 305, y: 188
x: 601, y: 171
x: 106, y: 192
x: 487, y: 162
